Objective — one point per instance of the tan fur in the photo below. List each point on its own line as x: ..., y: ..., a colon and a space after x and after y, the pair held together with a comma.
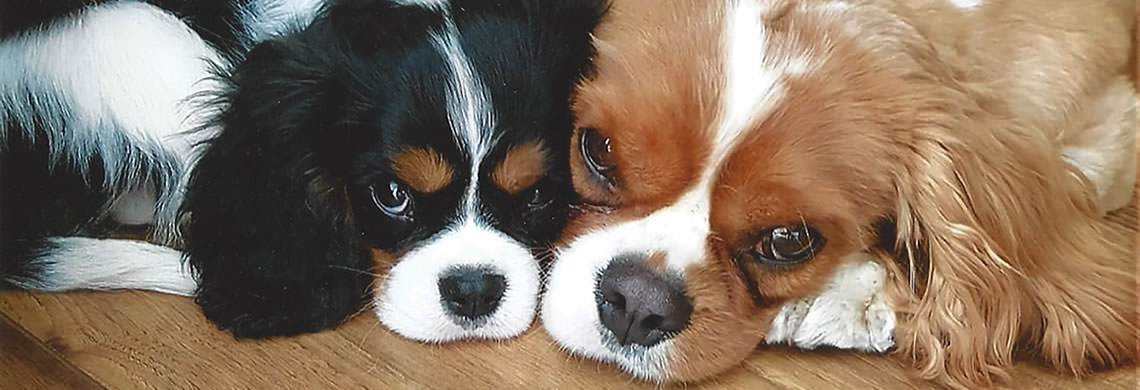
x: 520, y: 168
x: 423, y: 169
x: 1011, y: 235
x: 950, y: 123
x: 662, y: 155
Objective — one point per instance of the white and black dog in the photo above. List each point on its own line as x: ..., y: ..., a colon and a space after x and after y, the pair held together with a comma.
x: 304, y: 155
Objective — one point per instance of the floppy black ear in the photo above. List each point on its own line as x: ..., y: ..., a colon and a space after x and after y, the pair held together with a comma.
x: 268, y: 231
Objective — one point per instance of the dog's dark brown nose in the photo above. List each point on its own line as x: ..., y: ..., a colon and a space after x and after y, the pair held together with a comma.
x: 471, y: 292
x: 641, y: 306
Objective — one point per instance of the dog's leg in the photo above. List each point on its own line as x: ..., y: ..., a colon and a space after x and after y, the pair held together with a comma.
x: 851, y: 313
x: 115, y: 102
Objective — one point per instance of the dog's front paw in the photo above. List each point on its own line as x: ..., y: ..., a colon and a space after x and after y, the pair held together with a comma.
x: 280, y: 313
x: 849, y: 314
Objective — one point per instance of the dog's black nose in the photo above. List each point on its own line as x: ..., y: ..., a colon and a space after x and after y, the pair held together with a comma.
x: 641, y: 306
x: 471, y: 292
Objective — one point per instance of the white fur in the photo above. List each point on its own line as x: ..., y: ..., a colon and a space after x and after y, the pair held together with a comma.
x: 434, y: 4
x: 967, y: 4
x: 850, y: 313
x: 268, y: 19
x: 468, y: 105
x: 114, y: 82
x: 119, y: 81
x: 752, y: 88
x: 409, y: 302
x: 79, y: 263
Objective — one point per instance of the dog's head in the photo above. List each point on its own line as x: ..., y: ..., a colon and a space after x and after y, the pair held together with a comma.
x: 421, y: 143
x: 734, y: 157
x: 729, y: 165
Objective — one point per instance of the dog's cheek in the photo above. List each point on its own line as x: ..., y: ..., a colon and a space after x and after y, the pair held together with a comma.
x: 726, y: 325
x: 382, y: 262
x: 581, y: 220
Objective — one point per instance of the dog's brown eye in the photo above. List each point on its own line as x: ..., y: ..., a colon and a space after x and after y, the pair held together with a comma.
x: 538, y: 198
x: 787, y: 245
x: 392, y: 198
x: 596, y: 152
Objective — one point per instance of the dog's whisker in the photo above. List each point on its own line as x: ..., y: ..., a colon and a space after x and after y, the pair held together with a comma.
x: 360, y: 271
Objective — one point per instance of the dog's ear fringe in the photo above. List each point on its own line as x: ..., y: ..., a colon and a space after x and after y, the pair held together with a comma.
x: 1002, y: 251
x: 267, y: 229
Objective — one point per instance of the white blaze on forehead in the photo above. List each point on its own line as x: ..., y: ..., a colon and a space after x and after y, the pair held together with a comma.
x: 751, y: 87
x: 752, y: 82
x: 469, y: 109
x: 751, y: 90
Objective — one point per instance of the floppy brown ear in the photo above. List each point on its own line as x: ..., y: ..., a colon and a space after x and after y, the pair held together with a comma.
x: 1002, y: 243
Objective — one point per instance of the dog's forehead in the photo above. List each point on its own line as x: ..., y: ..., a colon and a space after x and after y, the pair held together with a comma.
x: 732, y: 83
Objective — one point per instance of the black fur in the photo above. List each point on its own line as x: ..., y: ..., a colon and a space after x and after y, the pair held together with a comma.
x: 281, y: 222
x: 38, y: 199
x: 50, y: 187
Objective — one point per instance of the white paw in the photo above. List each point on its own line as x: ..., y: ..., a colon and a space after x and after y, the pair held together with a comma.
x: 849, y: 314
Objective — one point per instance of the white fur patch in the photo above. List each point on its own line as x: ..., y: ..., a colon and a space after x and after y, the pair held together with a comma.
x: 752, y: 89
x: 850, y: 313
x: 268, y: 19
x: 80, y: 263
x: 967, y: 4
x: 112, y: 81
x: 469, y: 108
x: 409, y: 302
x: 433, y: 4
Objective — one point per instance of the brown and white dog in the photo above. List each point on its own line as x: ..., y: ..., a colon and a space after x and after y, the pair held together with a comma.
x: 923, y: 175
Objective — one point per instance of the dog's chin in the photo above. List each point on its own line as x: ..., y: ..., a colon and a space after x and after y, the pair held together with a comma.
x: 410, y: 304
x: 570, y: 313
x: 582, y: 334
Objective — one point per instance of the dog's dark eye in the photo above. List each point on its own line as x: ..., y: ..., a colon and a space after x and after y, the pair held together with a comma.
x: 596, y: 152
x: 538, y: 198
x: 788, y: 245
x: 392, y: 198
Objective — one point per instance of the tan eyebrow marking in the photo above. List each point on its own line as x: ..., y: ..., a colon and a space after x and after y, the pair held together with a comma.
x: 423, y: 169
x: 521, y: 167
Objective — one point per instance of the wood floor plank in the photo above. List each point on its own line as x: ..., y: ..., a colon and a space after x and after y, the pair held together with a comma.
x: 27, y: 363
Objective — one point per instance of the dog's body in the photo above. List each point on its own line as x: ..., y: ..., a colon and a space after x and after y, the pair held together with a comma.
x: 103, y: 91
x: 414, y: 147
x: 929, y: 175
x: 97, y: 119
